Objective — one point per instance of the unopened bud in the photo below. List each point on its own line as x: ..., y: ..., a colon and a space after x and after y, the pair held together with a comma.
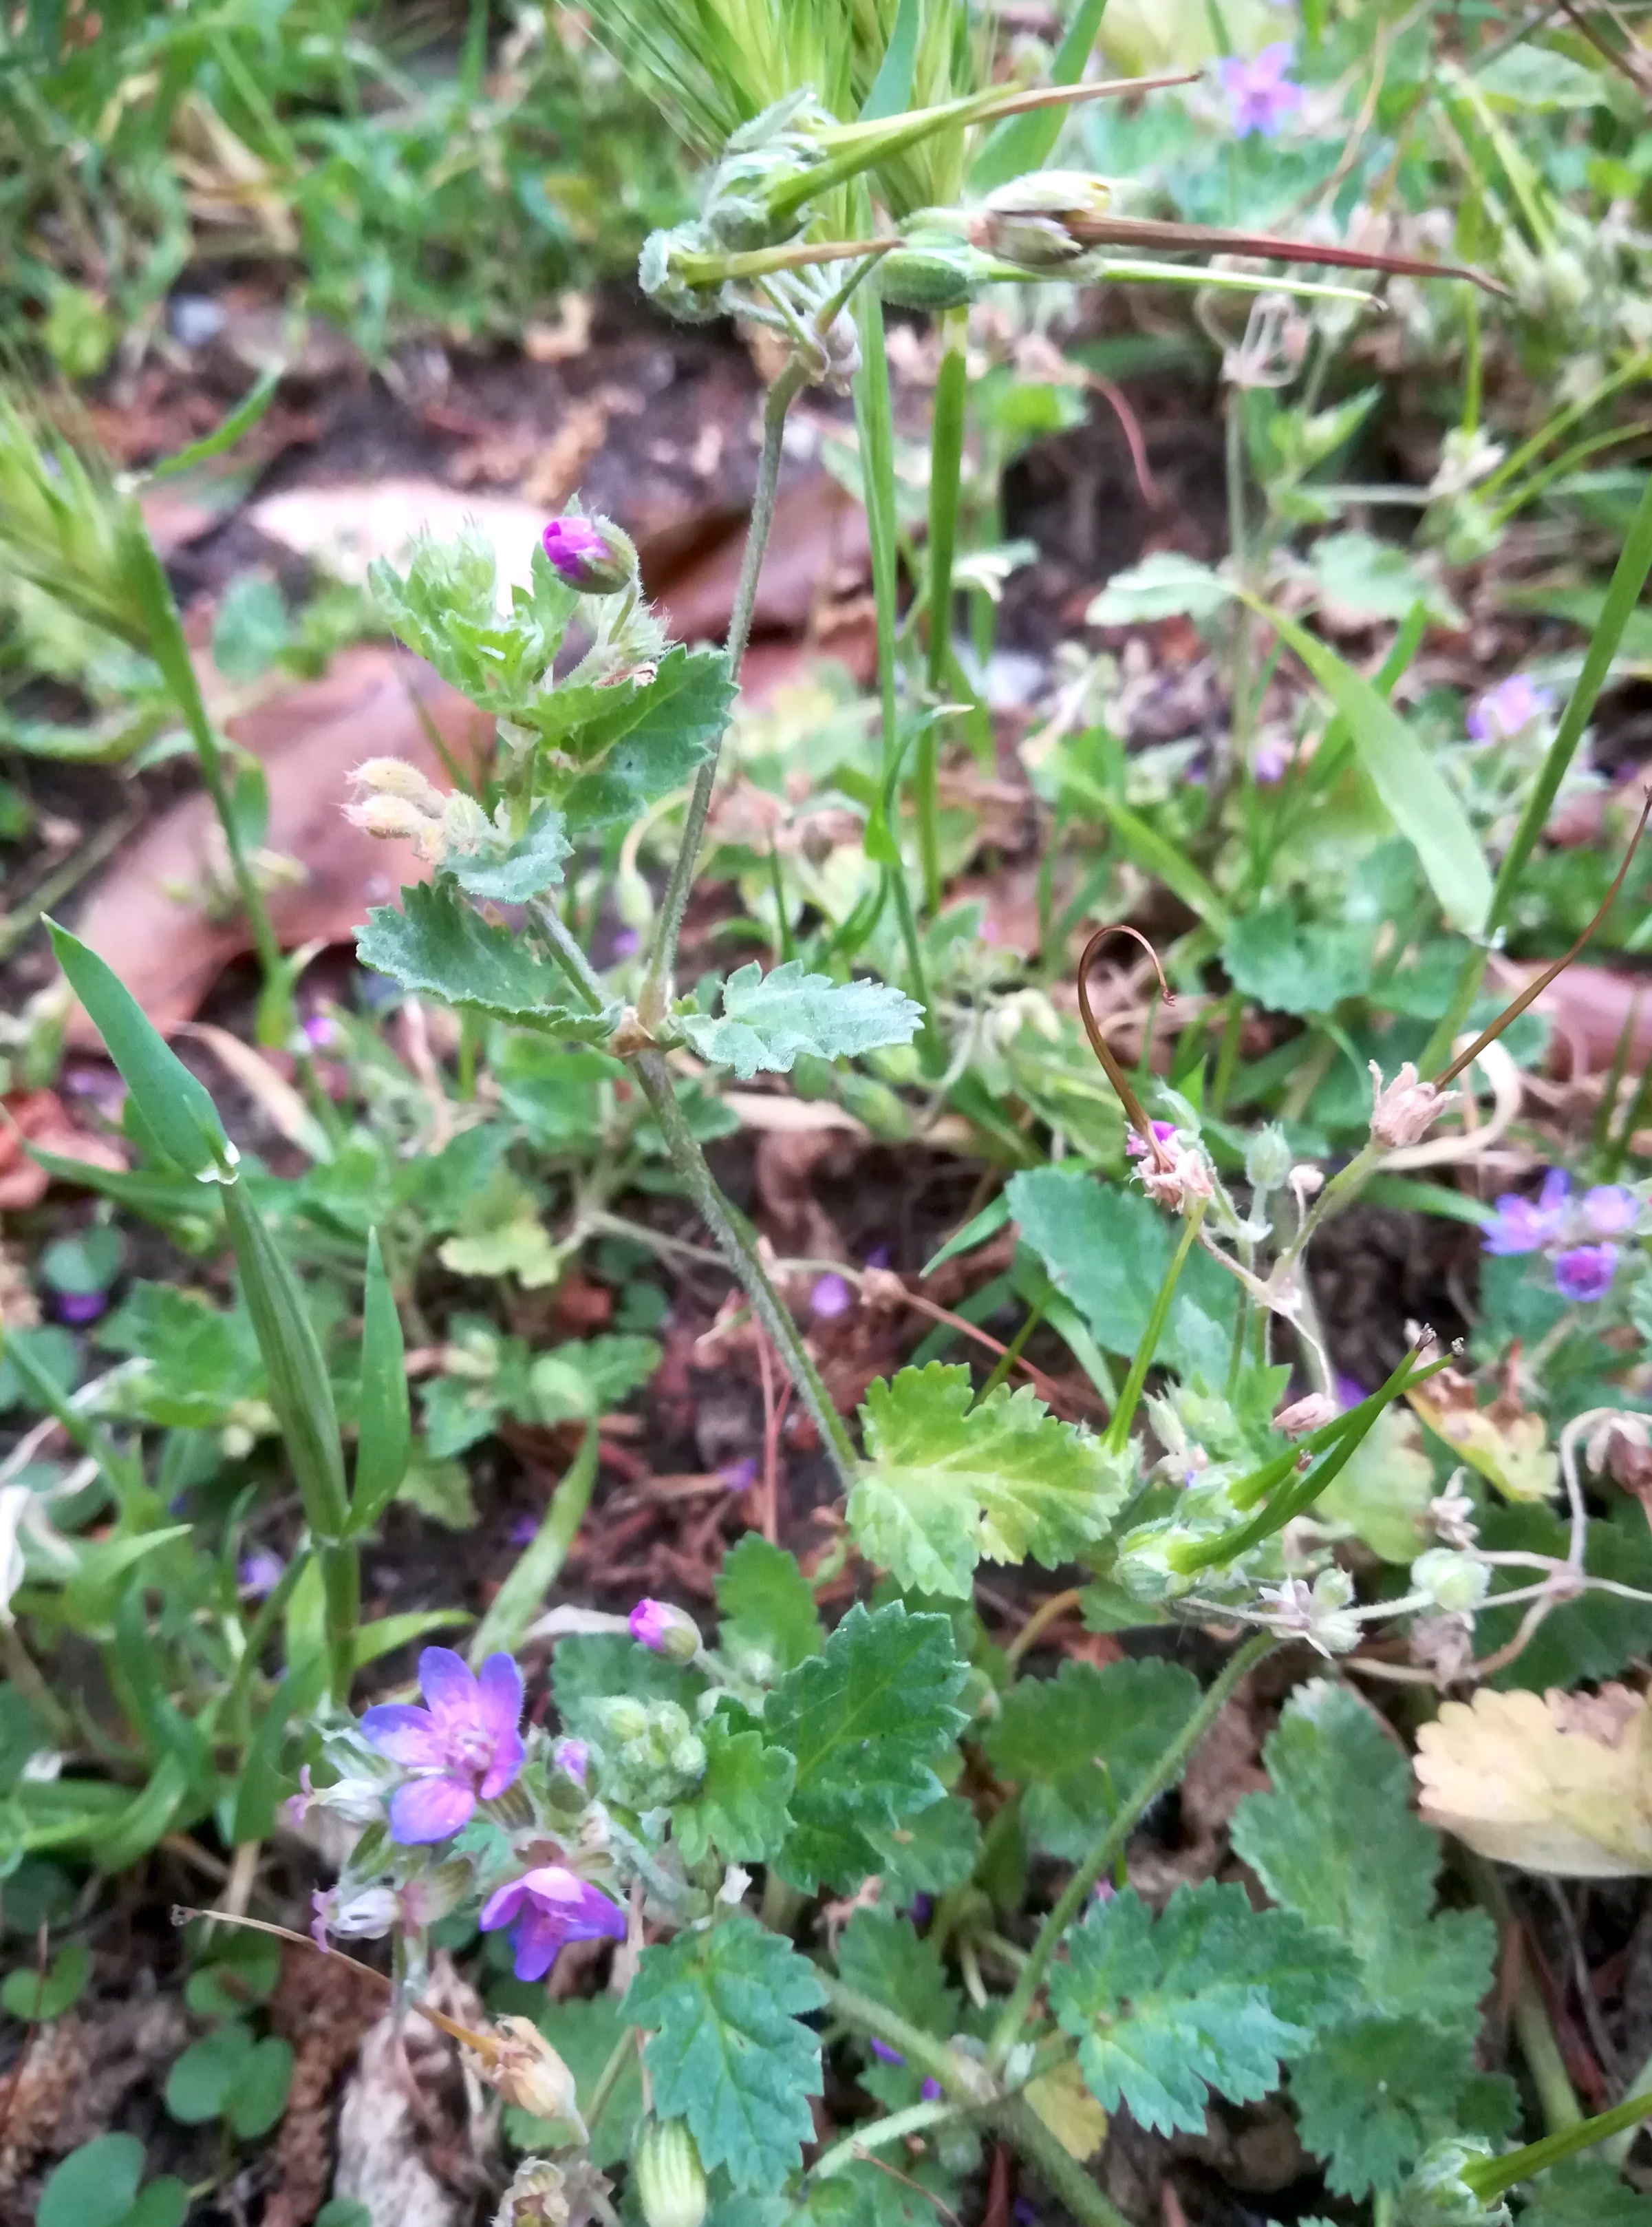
x: 395, y: 777
x: 665, y: 1631
x: 1267, y: 1159
x: 624, y: 1718
x: 935, y: 269
x: 669, y: 2179
x: 1405, y: 1110
x: 1449, y: 1580
x: 591, y: 554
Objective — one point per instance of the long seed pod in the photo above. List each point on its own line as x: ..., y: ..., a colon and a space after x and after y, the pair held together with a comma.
x: 1214, y: 240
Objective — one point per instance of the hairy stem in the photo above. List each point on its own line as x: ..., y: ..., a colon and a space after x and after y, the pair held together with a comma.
x: 946, y: 470
x: 961, y: 2077
x: 1065, y: 2177
x: 734, y: 1241
x: 656, y: 988
x: 916, y: 2119
x: 1112, y: 1843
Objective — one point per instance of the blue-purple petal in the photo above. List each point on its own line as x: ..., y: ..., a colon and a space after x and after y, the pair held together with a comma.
x: 405, y: 1735
x: 428, y: 1810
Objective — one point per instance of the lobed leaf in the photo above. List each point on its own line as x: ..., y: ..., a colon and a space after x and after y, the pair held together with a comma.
x: 768, y: 1020
x: 767, y: 1603
x: 739, y: 1805
x: 438, y: 945
x: 1081, y: 1742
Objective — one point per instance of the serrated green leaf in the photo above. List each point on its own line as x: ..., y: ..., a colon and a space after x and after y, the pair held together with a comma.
x: 1211, y: 1996
x: 768, y: 1020
x: 729, y: 2051
x: 587, y: 1377
x: 1165, y: 584
x: 670, y: 735
x: 1292, y: 966
x: 1584, y: 2192
x: 1107, y: 1250
x: 511, y: 873
x: 866, y: 1719
x: 947, y: 1482
x: 95, y: 2186
x: 595, y: 1666
x: 930, y: 1853
x: 438, y: 945
x: 739, y: 1807
x: 1373, y: 2095
x: 768, y: 1604
x: 1081, y: 1742
x: 882, y: 1956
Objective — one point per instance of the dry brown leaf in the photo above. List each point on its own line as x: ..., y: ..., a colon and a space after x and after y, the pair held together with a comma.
x: 40, y: 1117
x: 373, y: 702
x: 1553, y: 1783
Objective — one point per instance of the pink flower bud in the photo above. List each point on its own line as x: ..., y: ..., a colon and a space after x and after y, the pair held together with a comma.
x: 665, y: 1631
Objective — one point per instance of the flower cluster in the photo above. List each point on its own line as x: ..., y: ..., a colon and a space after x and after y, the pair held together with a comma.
x: 1580, y: 1237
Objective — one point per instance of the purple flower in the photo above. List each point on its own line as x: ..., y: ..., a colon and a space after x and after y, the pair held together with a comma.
x: 922, y: 1906
x: 598, y: 560
x: 1507, y: 710
x: 1259, y: 94
x: 1270, y: 763
x: 261, y: 1572
x: 1519, y: 1226
x: 81, y: 1306
x: 879, y: 1257
x: 1586, y: 1273
x: 1023, y: 2213
x: 524, y: 1531
x: 319, y: 1031
x: 571, y: 1757
x: 882, y: 2051
x: 1136, y: 1146
x: 930, y: 2090
x: 626, y: 943
x: 1350, y: 1391
x: 831, y: 1296
x: 1610, y: 1209
x: 663, y: 1631
x: 465, y: 1745
x: 741, y: 1476
x: 548, y: 1907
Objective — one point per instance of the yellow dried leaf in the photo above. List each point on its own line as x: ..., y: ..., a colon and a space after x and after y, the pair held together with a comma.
x: 1509, y: 1447
x: 1067, y: 2108
x: 1557, y: 1782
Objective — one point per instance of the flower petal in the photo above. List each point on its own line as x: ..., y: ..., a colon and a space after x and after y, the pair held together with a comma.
x: 449, y: 1684
x: 404, y: 1734
x: 500, y: 1687
x: 508, y: 1761
x: 595, y: 1919
x: 502, y: 1905
x: 430, y: 1810
x: 538, y: 1939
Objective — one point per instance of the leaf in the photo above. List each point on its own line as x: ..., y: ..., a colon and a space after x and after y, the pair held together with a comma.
x: 95, y: 2186
x: 584, y: 2032
x: 587, y: 1377
x: 767, y: 1603
x: 866, y: 1719
x: 1164, y: 585
x: 883, y: 1956
x: 1081, y: 1742
x: 33, y: 1996
x: 1507, y: 1444
x: 440, y: 1490
x: 258, y: 2095
x: 511, y: 873
x: 1384, y: 1488
x: 768, y: 1020
x: 947, y: 1482
x: 1560, y: 1784
x: 1107, y: 1250
x: 672, y: 736
x: 1068, y: 2109
x: 438, y: 945
x: 739, y: 1807
x: 1360, y: 577
x: 174, y: 1106
x: 1374, y: 2095
x: 1210, y: 1996
x: 385, y: 1431
x: 1584, y: 2192
x: 729, y: 2052
x: 1595, y: 1636
x: 591, y: 1667
x: 1422, y: 805
x: 930, y: 1853
x: 1293, y: 966
x: 163, y: 2204
x: 198, y: 1360
x: 197, y: 2086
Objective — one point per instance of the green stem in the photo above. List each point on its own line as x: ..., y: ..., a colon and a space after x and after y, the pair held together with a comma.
x: 735, y: 1243
x: 1112, y: 1843
x: 946, y: 471
x: 569, y: 955
x: 609, y: 2078
x: 1490, y: 2177
x: 962, y: 2076
x: 1011, y: 1353
x: 341, y: 1567
x: 1623, y: 595
x: 655, y: 994
x: 1619, y: 2144
x: 876, y: 2133
x: 516, y: 1605
x: 1064, y: 2176
x: 1532, y: 2022
x: 1124, y: 1414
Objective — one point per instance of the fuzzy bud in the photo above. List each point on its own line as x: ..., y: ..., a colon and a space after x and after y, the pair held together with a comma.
x: 665, y: 1631
x: 591, y: 554
x: 390, y: 818
x: 1438, y: 2195
x: 669, y: 2179
x: 624, y: 1718
x: 395, y: 777
x: 1267, y: 1159
x: 1449, y: 1580
x: 1311, y: 1413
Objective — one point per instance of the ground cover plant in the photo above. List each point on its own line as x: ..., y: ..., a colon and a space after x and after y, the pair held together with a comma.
x: 544, y: 1678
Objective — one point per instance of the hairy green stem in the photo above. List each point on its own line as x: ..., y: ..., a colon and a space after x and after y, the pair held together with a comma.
x: 962, y: 2076
x: 656, y: 988
x: 735, y: 1243
x: 1065, y: 2177
x: 341, y: 1567
x: 569, y: 955
x: 876, y: 2133
x: 1112, y: 1843
x: 946, y: 471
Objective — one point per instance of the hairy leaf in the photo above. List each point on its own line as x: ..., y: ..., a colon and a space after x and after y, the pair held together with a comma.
x: 438, y: 945
x: 1297, y: 967
x: 739, y: 1807
x: 1081, y: 1742
x: 511, y: 873
x: 767, y: 1602
x: 928, y: 1854
x: 948, y: 1482
x: 728, y: 2052
x: 883, y: 1955
x: 1584, y: 2192
x: 867, y: 1719
x: 676, y: 723
x: 768, y: 1020
x: 1210, y: 1996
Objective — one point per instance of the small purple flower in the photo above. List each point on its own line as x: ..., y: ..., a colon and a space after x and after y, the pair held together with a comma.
x: 1136, y: 1147
x: 261, y: 1572
x: 1507, y: 710
x: 319, y: 1031
x: 1610, y: 1209
x: 626, y: 943
x: 922, y: 1906
x: 524, y: 1530
x: 663, y: 1631
x: 465, y: 1745
x: 930, y: 2089
x: 548, y: 1907
x: 830, y: 1297
x: 1259, y: 94
x: 879, y: 1257
x: 1586, y: 1273
x: 571, y: 1757
x: 1519, y: 1226
x: 1350, y: 1391
x: 81, y: 1306
x: 1270, y: 763
x: 882, y: 2052
x: 1023, y: 2214
x: 740, y: 1476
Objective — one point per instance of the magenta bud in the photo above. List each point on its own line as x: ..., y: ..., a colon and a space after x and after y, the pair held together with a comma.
x: 591, y: 554
x: 571, y: 1757
x: 665, y: 1631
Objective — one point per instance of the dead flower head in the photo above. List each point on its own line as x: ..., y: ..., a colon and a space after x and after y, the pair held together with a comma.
x: 1311, y: 1413
x: 515, y: 2057
x: 1406, y: 1109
